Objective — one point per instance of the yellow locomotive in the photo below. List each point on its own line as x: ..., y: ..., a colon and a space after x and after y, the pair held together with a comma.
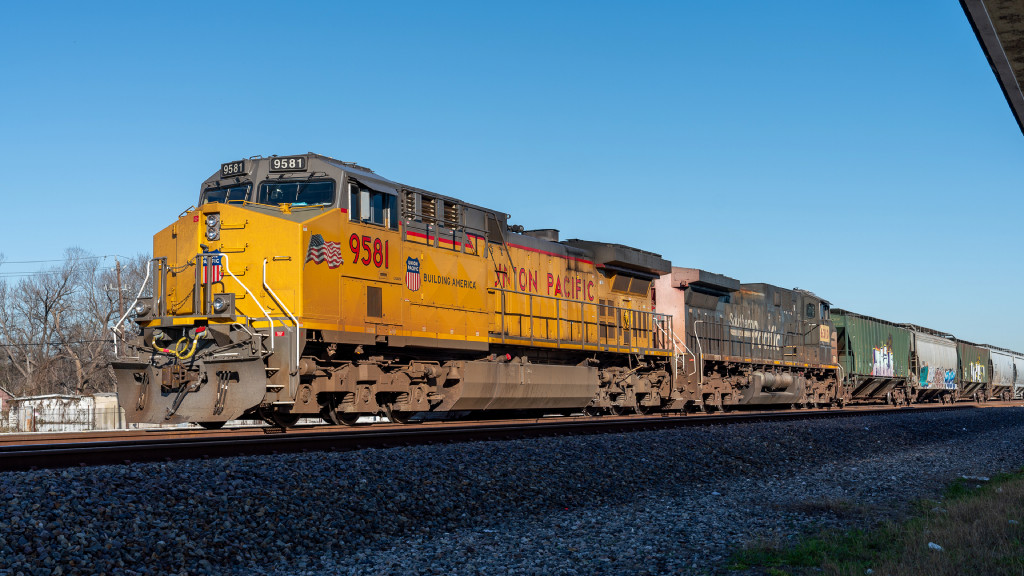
x: 303, y: 285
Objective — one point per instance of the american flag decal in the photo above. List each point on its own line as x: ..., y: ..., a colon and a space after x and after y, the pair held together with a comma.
x: 412, y: 274
x: 319, y: 250
x: 211, y: 268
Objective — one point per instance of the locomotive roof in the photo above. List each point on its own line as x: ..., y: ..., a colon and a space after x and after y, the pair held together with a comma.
x: 683, y: 277
x: 622, y: 258
x: 791, y: 290
x: 361, y: 173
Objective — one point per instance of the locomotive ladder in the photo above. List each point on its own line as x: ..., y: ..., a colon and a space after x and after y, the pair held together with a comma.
x: 678, y: 354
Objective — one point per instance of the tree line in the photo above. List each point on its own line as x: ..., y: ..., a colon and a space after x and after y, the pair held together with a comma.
x: 55, y: 323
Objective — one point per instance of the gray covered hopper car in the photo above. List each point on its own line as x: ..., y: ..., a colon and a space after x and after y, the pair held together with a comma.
x: 1018, y: 380
x: 933, y: 362
x: 1003, y: 373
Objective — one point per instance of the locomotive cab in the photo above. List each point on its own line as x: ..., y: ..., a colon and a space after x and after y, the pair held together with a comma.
x: 221, y: 332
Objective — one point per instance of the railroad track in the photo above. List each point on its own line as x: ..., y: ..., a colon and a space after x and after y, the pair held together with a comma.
x: 143, y: 446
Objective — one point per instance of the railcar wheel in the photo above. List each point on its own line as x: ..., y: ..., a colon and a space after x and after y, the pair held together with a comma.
x: 212, y: 425
x: 591, y: 411
x: 644, y: 410
x: 617, y: 410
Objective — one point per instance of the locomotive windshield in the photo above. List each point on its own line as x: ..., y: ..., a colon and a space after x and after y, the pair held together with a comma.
x: 297, y: 193
x: 227, y: 194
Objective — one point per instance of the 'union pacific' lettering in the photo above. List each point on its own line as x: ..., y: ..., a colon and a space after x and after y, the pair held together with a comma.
x: 571, y: 286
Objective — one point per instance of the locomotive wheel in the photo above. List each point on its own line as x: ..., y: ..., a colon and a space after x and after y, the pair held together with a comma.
x: 339, y: 418
x: 644, y: 410
x: 617, y: 410
x: 275, y: 418
x: 285, y: 420
x: 591, y: 411
x: 396, y: 416
x: 212, y: 425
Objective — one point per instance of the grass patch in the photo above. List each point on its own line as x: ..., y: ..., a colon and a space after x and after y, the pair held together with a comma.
x: 979, y: 525
x: 840, y: 507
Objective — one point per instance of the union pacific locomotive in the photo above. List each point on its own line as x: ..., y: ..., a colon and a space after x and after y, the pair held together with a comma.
x: 304, y: 286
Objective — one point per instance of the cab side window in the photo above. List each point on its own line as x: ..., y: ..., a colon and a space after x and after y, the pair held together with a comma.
x: 372, y: 207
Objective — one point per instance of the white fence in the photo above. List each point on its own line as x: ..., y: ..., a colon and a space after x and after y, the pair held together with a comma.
x: 63, y: 413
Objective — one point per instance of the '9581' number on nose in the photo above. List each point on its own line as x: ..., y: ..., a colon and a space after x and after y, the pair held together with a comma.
x: 369, y: 250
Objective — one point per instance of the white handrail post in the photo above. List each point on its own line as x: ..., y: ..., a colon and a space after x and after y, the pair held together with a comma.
x: 149, y: 267
x: 286, y: 311
x: 227, y: 267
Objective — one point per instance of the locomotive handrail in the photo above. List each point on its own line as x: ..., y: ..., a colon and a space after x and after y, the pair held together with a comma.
x: 700, y: 348
x: 132, y: 307
x: 584, y: 341
x: 227, y: 267
x: 286, y: 311
x: 676, y: 342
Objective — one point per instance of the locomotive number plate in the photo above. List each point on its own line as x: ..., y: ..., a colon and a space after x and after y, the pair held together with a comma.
x: 288, y: 164
x: 233, y: 168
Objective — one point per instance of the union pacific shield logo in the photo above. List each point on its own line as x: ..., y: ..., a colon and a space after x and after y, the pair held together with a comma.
x: 412, y: 274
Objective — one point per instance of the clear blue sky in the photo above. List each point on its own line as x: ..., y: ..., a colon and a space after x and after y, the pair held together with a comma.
x: 862, y: 150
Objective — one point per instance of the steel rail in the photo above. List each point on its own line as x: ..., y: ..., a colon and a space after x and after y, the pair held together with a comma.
x: 33, y: 456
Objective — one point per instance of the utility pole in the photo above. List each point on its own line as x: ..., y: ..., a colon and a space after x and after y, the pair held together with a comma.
x: 120, y: 296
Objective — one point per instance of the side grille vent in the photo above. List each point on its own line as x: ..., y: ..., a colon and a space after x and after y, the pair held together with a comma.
x: 374, y: 302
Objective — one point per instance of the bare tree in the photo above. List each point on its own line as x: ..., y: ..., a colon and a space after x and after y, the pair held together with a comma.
x: 55, y: 325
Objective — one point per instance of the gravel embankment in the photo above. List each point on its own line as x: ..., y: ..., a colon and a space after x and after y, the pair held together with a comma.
x: 644, y: 503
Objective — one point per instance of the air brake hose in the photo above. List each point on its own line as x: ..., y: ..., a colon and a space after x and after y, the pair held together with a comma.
x: 181, y: 353
x: 179, y: 350
x: 167, y: 351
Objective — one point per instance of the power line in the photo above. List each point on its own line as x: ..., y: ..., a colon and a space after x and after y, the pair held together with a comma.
x: 2, y: 262
x: 55, y: 343
x: 17, y: 274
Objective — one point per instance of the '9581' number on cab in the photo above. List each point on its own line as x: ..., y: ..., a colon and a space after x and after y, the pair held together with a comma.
x: 288, y: 164
x: 369, y: 250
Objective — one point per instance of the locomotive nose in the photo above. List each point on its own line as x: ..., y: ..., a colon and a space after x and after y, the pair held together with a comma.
x: 210, y: 390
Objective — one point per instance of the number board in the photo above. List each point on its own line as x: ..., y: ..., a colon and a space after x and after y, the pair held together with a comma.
x: 236, y: 168
x: 288, y: 164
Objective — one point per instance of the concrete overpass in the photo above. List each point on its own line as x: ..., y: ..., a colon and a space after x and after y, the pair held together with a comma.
x: 999, y: 26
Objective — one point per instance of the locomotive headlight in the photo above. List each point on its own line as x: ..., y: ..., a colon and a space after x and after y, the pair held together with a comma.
x: 223, y: 305
x: 220, y: 305
x: 142, y: 309
x: 213, y: 226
